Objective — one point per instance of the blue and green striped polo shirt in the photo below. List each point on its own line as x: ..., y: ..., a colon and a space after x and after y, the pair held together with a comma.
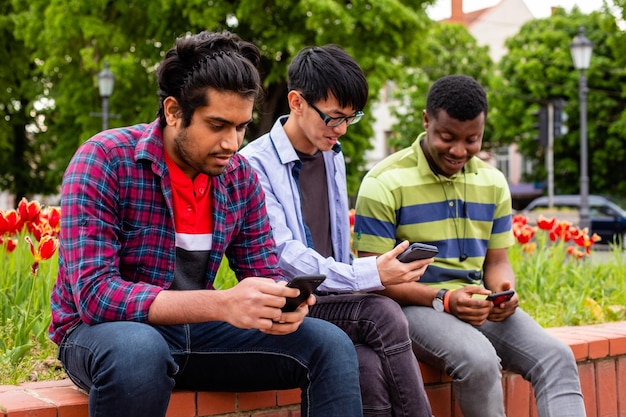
x: 401, y: 198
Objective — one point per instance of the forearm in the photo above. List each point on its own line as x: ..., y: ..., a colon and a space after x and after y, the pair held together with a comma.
x: 412, y: 293
x: 497, y: 270
x: 181, y: 307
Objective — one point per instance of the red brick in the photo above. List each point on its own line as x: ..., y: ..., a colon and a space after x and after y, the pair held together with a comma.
x: 621, y: 386
x: 616, y: 338
x: 212, y: 403
x: 182, y: 404
x: 533, y: 404
x: 288, y: 397
x: 586, y: 373
x: 254, y: 400
x: 579, y: 346
x: 69, y: 401
x: 516, y: 396
x: 20, y: 404
x: 598, y: 345
x: 606, y: 388
x: 440, y: 397
x: 430, y: 374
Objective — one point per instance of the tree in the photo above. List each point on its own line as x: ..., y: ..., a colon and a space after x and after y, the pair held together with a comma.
x: 23, y: 157
x: 451, y: 50
x: 72, y: 40
x: 538, y: 68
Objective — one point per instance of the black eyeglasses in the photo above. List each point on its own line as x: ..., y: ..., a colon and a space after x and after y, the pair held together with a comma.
x: 336, y: 121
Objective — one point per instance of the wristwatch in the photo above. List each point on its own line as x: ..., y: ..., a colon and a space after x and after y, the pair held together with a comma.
x: 438, y: 300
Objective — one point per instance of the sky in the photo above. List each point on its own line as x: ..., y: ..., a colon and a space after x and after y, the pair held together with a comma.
x: 539, y: 8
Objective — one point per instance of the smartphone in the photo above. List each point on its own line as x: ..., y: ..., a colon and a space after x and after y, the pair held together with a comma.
x: 499, y: 297
x: 417, y: 251
x: 306, y: 284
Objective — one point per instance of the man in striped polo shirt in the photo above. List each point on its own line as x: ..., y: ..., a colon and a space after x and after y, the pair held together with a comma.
x: 439, y: 192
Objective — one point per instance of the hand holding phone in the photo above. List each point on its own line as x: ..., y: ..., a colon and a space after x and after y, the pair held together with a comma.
x: 306, y: 284
x: 499, y: 297
x: 417, y: 251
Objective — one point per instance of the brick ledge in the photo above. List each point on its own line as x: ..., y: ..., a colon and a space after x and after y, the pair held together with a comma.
x: 600, y: 351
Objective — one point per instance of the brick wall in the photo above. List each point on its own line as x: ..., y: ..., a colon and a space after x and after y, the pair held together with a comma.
x: 599, y: 349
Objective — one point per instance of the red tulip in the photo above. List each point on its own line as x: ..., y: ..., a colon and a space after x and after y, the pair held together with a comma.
x: 544, y: 223
x: 29, y: 211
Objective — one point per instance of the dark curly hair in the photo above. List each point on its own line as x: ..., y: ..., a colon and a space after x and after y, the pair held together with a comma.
x: 461, y: 96
x: 218, y: 60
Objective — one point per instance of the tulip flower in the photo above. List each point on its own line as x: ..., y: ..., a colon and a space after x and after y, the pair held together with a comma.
x: 29, y: 211
x: 53, y: 215
x: 9, y: 244
x: 13, y: 223
x: 520, y: 219
x: 45, y: 250
x: 544, y: 223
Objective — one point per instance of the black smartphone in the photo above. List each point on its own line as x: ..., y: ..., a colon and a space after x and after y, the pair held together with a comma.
x: 499, y: 297
x: 417, y: 251
x: 306, y: 284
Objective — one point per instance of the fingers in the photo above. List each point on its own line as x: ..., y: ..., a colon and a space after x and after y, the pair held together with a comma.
x: 399, y: 249
x: 287, y: 322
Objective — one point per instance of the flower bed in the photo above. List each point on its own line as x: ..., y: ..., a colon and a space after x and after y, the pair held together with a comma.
x: 558, y: 282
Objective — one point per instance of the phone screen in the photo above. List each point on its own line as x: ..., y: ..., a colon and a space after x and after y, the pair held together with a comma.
x: 499, y: 297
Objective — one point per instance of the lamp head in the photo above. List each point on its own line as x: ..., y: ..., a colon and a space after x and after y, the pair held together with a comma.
x: 106, y: 80
x: 581, y: 49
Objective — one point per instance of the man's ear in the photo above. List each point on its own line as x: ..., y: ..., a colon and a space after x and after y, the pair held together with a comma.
x: 296, y: 102
x: 171, y: 110
x: 425, y: 119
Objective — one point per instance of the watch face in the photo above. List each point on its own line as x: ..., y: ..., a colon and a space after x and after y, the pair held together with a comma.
x: 438, y: 305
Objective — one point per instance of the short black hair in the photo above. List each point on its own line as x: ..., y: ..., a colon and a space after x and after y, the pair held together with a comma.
x: 317, y: 71
x: 461, y: 96
x: 218, y: 60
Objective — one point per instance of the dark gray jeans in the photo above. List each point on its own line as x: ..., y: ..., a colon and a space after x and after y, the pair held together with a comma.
x: 391, y: 382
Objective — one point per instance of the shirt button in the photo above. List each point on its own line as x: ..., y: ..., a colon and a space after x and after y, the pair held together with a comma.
x: 189, y: 208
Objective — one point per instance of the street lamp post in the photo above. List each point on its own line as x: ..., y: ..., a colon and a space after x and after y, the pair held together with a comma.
x: 581, y: 49
x: 106, y: 80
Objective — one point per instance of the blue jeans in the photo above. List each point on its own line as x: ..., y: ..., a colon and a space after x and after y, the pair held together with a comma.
x: 474, y: 357
x: 391, y: 382
x: 130, y: 369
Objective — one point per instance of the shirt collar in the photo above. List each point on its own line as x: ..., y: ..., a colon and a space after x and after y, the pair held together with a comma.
x: 284, y: 149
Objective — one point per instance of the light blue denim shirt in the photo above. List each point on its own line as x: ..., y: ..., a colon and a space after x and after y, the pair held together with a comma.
x: 273, y: 158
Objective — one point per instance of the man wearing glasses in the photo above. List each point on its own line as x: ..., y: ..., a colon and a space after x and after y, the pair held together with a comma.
x: 302, y: 171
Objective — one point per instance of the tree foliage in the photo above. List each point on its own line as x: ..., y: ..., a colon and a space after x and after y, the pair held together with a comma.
x: 451, y: 50
x: 538, y: 68
x: 67, y: 43
x: 23, y: 157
